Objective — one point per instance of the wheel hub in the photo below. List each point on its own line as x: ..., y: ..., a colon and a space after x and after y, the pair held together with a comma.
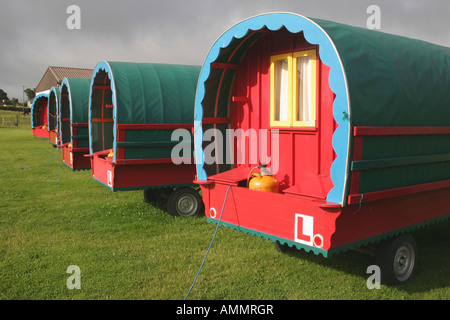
x: 186, y: 205
x: 404, y: 262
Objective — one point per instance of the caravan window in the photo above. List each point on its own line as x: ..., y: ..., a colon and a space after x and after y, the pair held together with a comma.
x: 293, y: 81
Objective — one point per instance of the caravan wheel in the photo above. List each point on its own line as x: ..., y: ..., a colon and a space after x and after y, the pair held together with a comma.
x: 397, y: 259
x: 185, y: 202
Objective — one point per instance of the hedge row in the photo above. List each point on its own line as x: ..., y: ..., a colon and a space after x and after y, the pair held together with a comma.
x: 16, y: 108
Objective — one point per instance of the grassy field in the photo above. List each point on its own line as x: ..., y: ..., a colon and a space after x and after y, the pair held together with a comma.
x: 52, y: 218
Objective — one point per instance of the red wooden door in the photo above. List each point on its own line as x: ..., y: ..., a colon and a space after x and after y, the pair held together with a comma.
x: 304, y: 154
x: 43, y: 116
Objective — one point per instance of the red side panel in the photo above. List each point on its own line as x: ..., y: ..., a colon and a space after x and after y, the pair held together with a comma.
x: 40, y: 132
x: 139, y: 176
x: 314, y: 223
x: 53, y: 137
x: 102, y: 168
x: 359, y: 222
x: 298, y: 219
x: 305, y: 154
x: 75, y: 158
x: 43, y: 116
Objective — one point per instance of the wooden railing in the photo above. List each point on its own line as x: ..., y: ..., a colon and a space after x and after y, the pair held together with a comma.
x: 122, y: 143
x: 358, y: 165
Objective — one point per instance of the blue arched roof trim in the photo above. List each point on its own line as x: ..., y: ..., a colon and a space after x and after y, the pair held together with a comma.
x: 73, y: 86
x: 56, y: 92
x: 38, y: 97
x: 103, y: 66
x: 65, y: 83
x: 329, y: 55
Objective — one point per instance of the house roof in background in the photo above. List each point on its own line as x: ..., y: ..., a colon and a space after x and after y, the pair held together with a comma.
x: 54, y: 75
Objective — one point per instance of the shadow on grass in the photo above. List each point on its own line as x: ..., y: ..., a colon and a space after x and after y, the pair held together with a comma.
x: 432, y: 270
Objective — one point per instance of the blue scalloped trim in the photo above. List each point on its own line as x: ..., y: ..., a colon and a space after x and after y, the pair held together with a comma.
x: 39, y: 96
x: 105, y: 66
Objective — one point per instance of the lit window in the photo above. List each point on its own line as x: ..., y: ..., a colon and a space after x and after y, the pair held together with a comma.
x: 293, y: 89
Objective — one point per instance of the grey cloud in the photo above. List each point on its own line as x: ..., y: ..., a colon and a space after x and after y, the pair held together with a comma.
x: 34, y: 33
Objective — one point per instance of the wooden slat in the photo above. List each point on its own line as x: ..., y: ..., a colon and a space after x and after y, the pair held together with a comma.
x: 80, y: 125
x: 357, y: 156
x: 397, y: 192
x: 151, y: 161
x: 219, y: 65
x: 240, y: 99
x: 96, y: 120
x: 388, y: 131
x: 148, y: 144
x: 215, y: 120
x: 80, y: 150
x: 395, y: 162
x: 154, y: 126
x: 84, y: 137
x: 101, y: 87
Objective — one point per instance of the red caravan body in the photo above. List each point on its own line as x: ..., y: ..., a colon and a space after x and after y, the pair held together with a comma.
x: 330, y: 198
x: 39, y: 116
x: 134, y: 108
x: 312, y: 223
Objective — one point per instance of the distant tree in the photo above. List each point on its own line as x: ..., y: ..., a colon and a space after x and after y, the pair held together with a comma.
x: 31, y: 93
x: 14, y: 101
x: 3, y: 95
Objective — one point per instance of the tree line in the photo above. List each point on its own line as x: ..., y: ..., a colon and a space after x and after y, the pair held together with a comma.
x: 4, y: 100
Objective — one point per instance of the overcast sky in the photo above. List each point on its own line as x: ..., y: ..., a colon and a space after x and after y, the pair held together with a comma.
x: 34, y: 33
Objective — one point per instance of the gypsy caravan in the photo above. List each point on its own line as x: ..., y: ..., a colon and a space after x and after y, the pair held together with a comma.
x: 134, y: 110
x: 39, y: 116
x: 347, y: 128
x: 73, y: 122
x: 53, y: 111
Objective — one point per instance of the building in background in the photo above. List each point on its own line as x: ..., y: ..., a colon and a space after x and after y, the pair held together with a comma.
x: 54, y: 76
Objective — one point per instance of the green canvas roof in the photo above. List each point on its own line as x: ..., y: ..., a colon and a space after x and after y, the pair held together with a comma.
x: 392, y: 80
x: 150, y: 92
x: 78, y: 97
x: 78, y: 89
x: 144, y: 93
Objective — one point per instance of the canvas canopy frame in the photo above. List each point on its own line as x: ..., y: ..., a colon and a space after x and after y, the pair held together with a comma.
x: 134, y: 108
x: 39, y: 116
x: 74, y: 122
x: 53, y: 115
x: 374, y: 77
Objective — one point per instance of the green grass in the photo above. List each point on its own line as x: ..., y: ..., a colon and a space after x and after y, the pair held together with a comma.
x: 9, y: 118
x: 128, y: 249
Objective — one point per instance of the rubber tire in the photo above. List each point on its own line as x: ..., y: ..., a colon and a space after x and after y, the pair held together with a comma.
x: 185, y: 197
x: 397, y: 259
